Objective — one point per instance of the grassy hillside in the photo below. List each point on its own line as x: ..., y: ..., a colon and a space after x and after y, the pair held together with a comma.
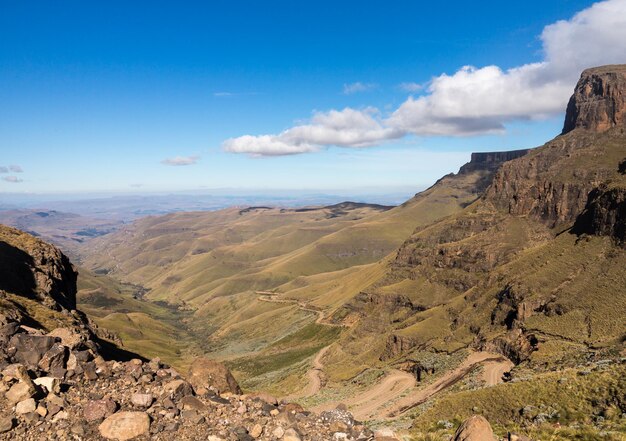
x: 215, y: 262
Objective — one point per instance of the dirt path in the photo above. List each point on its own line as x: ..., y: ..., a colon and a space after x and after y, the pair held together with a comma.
x: 384, y: 400
x: 270, y: 297
x: 315, y: 377
x: 494, y: 370
x: 364, y: 404
x: 496, y: 363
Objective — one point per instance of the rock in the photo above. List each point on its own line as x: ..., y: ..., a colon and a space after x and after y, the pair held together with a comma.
x: 125, y: 425
x: 269, y: 399
x: 291, y: 435
x: 141, y: 400
x: 177, y: 389
x: 256, y: 431
x: 98, y: 409
x: 21, y: 391
x: 29, y: 349
x: 25, y: 406
x: 15, y: 371
x: 192, y: 403
x: 212, y: 374
x: 599, y: 101
x: 69, y: 338
x: 55, y: 357
x: 605, y: 214
x: 50, y: 384
x: 278, y: 432
x: 41, y: 411
x: 6, y: 423
x: 475, y: 428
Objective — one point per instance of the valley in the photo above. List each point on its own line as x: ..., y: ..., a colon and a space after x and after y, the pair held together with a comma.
x: 499, y: 290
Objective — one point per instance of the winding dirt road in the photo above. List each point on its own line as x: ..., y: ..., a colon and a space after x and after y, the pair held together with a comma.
x: 270, y: 297
x: 388, y: 399
x: 315, y: 377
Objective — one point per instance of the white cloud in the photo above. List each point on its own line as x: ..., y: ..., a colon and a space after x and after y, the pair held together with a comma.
x: 411, y: 87
x: 343, y: 128
x: 481, y: 100
x: 12, y: 179
x: 181, y: 160
x: 349, y: 89
x: 4, y: 169
x: 16, y: 169
x: 472, y: 100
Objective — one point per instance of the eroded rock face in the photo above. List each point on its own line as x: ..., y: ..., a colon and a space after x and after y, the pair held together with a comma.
x: 32, y: 268
x: 475, y: 428
x: 599, y: 100
x: 605, y: 214
x: 205, y: 373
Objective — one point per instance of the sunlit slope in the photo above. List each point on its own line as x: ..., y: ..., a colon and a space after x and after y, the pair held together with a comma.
x: 506, y: 275
x: 193, y: 257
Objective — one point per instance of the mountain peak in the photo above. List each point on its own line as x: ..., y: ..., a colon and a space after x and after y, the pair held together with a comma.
x: 599, y: 100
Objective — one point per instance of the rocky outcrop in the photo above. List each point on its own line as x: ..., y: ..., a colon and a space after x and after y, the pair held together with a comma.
x: 475, y: 428
x: 210, y: 374
x: 490, y: 161
x: 599, y: 100
x: 32, y: 268
x: 552, y: 183
x: 605, y: 214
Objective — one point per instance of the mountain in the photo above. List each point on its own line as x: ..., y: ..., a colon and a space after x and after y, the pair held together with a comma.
x: 500, y: 290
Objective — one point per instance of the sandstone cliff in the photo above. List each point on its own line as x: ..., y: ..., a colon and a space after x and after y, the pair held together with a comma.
x: 552, y: 183
x: 599, y: 100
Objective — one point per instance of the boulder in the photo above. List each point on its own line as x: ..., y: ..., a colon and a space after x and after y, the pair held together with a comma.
x: 21, y: 391
x: 125, y: 425
x: 475, y: 428
x: 15, y: 371
x: 29, y: 349
x: 176, y: 389
x: 98, y: 409
x: 69, y: 338
x: 50, y: 384
x: 6, y: 423
x: 141, y: 400
x: 205, y: 373
x: 26, y: 406
x: 54, y: 358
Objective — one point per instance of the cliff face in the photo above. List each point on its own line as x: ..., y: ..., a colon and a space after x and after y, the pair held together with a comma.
x: 599, y: 100
x: 552, y: 184
x: 605, y: 214
x: 34, y: 269
x: 490, y: 161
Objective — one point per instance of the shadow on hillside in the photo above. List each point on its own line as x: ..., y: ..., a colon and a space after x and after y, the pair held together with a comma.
x: 16, y: 275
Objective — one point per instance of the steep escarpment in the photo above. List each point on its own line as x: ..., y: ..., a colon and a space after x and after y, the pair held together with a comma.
x: 552, y: 184
x: 599, y: 100
x: 509, y: 274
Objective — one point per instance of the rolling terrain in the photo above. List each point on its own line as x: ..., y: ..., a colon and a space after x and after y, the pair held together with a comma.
x: 414, y: 313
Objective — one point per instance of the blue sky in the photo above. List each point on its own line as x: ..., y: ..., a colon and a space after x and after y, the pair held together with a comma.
x: 106, y: 96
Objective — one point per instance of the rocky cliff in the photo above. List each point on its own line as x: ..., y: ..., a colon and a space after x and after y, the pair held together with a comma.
x: 599, y: 100
x: 34, y: 269
x: 605, y: 214
x: 552, y: 183
x: 490, y: 161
